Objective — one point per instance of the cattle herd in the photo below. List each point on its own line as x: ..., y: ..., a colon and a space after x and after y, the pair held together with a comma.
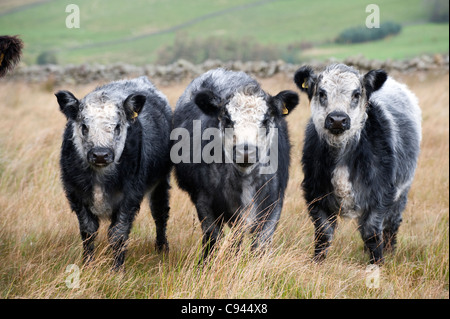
x: 229, y: 145
x: 228, y: 142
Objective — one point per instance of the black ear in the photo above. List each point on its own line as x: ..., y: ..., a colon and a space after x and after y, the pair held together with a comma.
x: 305, y: 80
x: 208, y: 102
x: 284, y: 102
x: 133, y: 105
x: 68, y: 104
x: 374, y: 80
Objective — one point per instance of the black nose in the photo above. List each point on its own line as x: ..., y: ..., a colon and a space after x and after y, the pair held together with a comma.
x: 245, y: 155
x: 100, y: 156
x: 337, y: 122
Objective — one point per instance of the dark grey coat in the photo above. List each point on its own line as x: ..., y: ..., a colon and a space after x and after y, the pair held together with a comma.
x: 115, y: 149
x: 228, y: 192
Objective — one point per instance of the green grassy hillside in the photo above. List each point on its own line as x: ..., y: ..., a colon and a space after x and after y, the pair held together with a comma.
x: 116, y: 30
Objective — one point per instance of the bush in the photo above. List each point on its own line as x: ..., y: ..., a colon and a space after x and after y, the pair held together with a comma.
x: 224, y: 49
x: 437, y: 10
x: 47, y: 57
x: 364, y: 34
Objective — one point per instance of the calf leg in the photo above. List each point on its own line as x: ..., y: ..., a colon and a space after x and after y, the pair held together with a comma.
x: 88, y: 229
x: 390, y: 235
x: 392, y: 223
x: 118, y: 234
x: 212, y: 231
x: 324, y: 225
x: 370, y: 226
x: 390, y: 231
x: 211, y: 226
x: 266, y: 227
x: 159, y: 205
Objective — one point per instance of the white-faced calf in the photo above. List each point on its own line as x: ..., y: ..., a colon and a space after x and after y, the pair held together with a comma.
x: 116, y: 149
x: 360, y: 153
x: 237, y: 171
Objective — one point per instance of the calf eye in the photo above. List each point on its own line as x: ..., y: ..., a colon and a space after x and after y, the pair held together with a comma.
x: 227, y: 121
x: 322, y: 96
x: 117, y: 129
x: 84, y: 129
x: 355, y: 97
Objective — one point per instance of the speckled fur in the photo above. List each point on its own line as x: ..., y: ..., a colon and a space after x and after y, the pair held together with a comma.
x: 366, y: 172
x: 224, y: 192
x: 141, y: 164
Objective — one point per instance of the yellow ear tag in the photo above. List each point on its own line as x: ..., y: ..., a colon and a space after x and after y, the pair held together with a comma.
x: 285, y: 110
x: 134, y: 115
x: 304, y: 85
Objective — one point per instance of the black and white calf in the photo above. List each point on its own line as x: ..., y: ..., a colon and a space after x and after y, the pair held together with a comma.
x: 360, y: 153
x: 234, y: 153
x: 115, y: 149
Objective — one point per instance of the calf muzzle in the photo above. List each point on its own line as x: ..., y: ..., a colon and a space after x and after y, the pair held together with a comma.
x: 100, y: 156
x: 337, y: 122
x: 245, y: 155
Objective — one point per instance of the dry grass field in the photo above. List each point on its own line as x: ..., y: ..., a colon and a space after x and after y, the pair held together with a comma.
x: 39, y: 235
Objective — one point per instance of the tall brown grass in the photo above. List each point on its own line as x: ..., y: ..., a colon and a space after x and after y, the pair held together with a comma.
x: 39, y: 235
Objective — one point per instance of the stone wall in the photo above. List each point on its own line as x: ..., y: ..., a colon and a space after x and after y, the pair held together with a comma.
x: 182, y: 70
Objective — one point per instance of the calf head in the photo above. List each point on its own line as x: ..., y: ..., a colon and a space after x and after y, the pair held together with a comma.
x: 339, y: 98
x: 100, y: 124
x: 247, y: 121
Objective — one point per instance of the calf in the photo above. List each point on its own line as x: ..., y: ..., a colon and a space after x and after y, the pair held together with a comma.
x: 360, y: 153
x: 10, y: 53
x: 115, y: 149
x: 244, y: 176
